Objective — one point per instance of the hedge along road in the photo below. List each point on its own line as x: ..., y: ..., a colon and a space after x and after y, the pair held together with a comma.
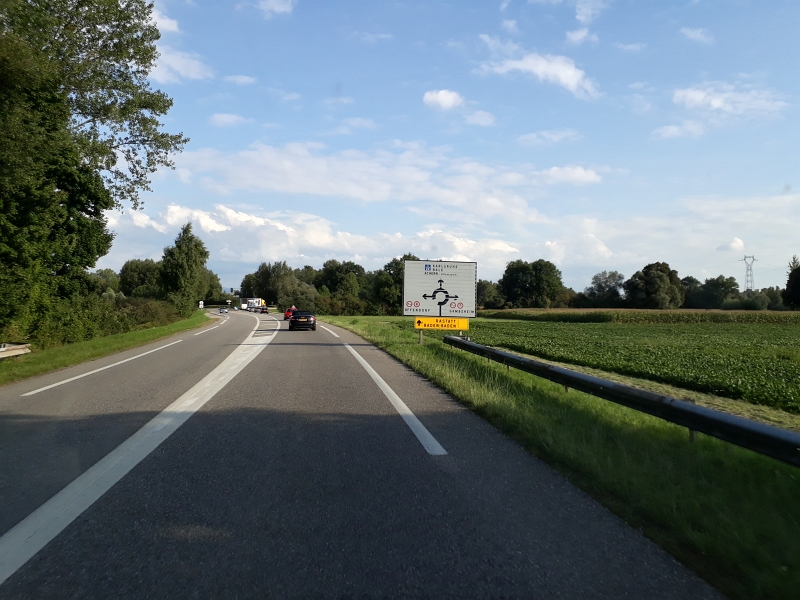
x: 303, y: 476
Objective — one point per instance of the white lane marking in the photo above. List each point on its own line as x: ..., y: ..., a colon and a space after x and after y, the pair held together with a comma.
x: 205, y: 330
x: 35, y: 531
x: 47, y: 387
x: 423, y: 435
x: 333, y: 333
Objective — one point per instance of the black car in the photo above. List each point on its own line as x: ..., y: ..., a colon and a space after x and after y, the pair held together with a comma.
x: 302, y: 319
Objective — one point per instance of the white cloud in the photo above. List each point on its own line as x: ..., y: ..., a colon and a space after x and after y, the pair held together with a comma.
x: 558, y: 70
x: 498, y: 47
x: 587, y: 11
x: 480, y: 117
x: 552, y: 136
x: 735, y: 245
x: 630, y: 47
x: 173, y: 65
x: 685, y: 129
x: 275, y: 7
x: 570, y: 174
x: 178, y: 215
x: 444, y: 99
x: 227, y: 120
x: 371, y: 38
x: 510, y: 26
x: 143, y: 221
x: 581, y: 35
x: 240, y: 79
x: 412, y: 174
x: 722, y: 98
x: 698, y: 35
x: 291, y: 96
x: 163, y: 22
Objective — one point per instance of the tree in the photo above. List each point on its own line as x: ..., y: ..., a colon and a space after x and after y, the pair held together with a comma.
x: 533, y: 285
x: 141, y: 278
x: 293, y: 292
x: 106, y: 278
x: 247, y: 289
x: 181, y: 269
x: 333, y: 272
x: 793, y: 264
x: 101, y: 53
x: 387, y: 286
x: 306, y: 274
x: 605, y: 290
x: 267, y: 279
x: 208, y: 285
x: 791, y: 295
x: 489, y: 295
x: 655, y: 286
x: 52, y: 223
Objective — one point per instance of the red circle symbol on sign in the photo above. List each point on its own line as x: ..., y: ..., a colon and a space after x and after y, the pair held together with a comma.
x: 416, y: 304
x: 460, y: 305
x: 409, y: 304
x: 452, y: 305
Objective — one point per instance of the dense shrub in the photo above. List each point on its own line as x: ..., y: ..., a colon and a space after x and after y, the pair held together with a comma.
x: 645, y: 316
x: 65, y: 321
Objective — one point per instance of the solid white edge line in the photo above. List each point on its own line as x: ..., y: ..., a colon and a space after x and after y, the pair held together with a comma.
x: 205, y: 330
x: 47, y: 387
x: 423, y: 435
x: 333, y: 333
x: 34, y: 532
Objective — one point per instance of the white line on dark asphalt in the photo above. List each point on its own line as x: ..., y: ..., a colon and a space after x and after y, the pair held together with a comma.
x: 333, y: 333
x: 47, y: 387
x: 204, y: 330
x: 423, y: 435
x: 35, y: 531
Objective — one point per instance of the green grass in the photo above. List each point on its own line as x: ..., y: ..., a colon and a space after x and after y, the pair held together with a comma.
x: 729, y: 514
x: 53, y: 359
x: 757, y: 363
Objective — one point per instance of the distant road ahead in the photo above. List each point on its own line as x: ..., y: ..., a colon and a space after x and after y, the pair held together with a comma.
x: 299, y: 477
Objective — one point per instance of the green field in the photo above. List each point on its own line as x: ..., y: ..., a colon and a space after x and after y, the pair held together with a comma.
x: 729, y: 514
x: 758, y: 363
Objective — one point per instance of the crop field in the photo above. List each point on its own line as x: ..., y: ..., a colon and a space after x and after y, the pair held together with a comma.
x: 758, y: 363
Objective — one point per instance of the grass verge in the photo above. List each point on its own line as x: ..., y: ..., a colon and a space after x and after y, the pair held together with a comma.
x: 53, y: 359
x: 729, y: 514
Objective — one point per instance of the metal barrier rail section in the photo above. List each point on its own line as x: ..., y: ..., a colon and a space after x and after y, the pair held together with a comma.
x: 770, y: 441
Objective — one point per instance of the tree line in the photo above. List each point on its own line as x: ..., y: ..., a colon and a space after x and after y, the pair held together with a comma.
x: 346, y: 288
x: 80, y: 134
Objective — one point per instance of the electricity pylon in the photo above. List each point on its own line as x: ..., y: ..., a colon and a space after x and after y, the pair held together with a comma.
x: 749, y: 283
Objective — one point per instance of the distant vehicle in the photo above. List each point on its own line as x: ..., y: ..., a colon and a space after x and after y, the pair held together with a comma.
x: 223, y: 310
x: 302, y: 319
x: 264, y: 310
x: 287, y: 315
x: 235, y: 308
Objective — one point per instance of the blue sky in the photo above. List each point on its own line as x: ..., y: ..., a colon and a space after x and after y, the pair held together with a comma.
x: 596, y: 134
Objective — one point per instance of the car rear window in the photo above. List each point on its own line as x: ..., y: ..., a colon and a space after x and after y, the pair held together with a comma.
x: 304, y: 313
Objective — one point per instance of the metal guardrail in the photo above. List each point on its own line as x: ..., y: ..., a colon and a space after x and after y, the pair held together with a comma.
x: 770, y: 441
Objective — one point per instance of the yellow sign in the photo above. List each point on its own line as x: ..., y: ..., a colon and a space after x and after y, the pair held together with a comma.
x: 441, y: 323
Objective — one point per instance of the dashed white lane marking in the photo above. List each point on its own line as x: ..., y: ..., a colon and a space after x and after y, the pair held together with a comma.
x: 333, y: 333
x: 423, y: 435
x: 47, y: 387
x: 205, y: 330
x: 35, y: 531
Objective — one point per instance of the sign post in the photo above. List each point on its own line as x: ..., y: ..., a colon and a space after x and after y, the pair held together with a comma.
x: 440, y: 294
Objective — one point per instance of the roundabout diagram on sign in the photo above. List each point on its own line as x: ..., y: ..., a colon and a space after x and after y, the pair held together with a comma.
x: 446, y: 297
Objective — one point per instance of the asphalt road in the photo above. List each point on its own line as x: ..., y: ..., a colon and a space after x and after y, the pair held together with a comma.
x: 299, y: 478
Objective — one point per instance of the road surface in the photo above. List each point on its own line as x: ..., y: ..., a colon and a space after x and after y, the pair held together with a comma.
x: 249, y: 461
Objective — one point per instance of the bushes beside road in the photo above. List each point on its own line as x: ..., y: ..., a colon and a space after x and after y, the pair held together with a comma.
x: 643, y: 316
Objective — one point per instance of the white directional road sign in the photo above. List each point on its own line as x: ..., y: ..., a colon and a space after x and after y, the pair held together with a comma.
x: 438, y: 288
